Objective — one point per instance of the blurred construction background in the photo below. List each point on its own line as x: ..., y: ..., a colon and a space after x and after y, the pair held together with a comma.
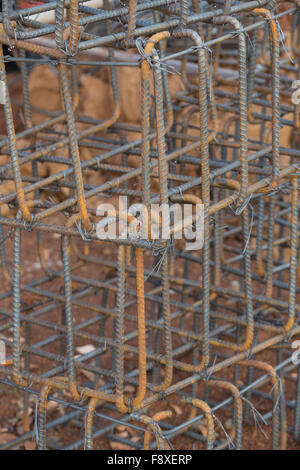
x: 140, y: 343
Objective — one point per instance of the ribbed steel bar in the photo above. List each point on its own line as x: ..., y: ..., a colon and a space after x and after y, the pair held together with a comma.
x: 134, y: 331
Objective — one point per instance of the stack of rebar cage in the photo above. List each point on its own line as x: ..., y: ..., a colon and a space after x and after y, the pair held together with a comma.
x: 179, y: 338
